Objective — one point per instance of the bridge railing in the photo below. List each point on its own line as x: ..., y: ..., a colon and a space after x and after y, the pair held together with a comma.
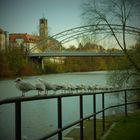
x: 18, y: 100
x: 76, y: 54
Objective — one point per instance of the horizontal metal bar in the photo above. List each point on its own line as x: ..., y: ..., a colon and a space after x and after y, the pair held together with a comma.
x: 43, y: 97
x: 85, y: 118
x: 58, y: 130
x: 113, y: 106
x: 51, y: 134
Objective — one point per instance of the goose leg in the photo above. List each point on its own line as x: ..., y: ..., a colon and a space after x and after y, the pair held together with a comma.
x: 23, y: 94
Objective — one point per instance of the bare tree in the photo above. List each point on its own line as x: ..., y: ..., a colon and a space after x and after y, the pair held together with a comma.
x: 112, y: 11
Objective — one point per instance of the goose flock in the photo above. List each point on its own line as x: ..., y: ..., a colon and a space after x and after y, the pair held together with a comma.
x: 43, y: 86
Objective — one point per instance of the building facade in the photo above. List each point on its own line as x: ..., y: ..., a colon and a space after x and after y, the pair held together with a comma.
x: 30, y: 42
x: 4, y: 39
x: 27, y: 41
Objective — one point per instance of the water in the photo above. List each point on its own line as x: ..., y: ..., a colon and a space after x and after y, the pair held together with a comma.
x: 40, y: 117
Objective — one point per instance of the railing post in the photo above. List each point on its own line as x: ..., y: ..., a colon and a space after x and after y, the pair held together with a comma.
x: 94, y: 118
x: 17, y: 120
x: 103, y: 113
x: 81, y: 117
x: 59, y: 105
x: 125, y: 100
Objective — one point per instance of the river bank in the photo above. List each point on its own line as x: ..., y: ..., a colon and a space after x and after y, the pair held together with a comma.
x: 120, y: 130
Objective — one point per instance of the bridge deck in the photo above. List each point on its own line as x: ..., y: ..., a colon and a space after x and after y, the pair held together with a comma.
x: 76, y: 54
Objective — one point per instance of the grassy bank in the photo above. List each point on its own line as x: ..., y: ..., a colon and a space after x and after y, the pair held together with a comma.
x: 88, y: 130
x: 126, y: 128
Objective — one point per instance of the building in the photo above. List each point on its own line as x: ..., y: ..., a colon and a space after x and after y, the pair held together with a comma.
x: 25, y: 40
x: 46, y: 42
x: 34, y: 43
x: 28, y: 41
x: 4, y: 39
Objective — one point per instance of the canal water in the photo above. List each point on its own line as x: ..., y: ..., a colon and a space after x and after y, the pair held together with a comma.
x: 40, y: 117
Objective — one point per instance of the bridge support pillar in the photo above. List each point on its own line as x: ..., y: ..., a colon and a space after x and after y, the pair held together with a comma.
x: 42, y: 64
x: 38, y: 61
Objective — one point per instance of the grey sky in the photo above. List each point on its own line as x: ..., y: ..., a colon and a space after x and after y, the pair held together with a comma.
x: 23, y: 15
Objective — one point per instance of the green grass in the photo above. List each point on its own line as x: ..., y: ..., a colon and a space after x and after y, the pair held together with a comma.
x: 88, y: 130
x: 126, y: 128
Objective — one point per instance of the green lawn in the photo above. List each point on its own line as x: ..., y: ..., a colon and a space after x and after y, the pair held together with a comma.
x: 88, y: 130
x: 126, y: 128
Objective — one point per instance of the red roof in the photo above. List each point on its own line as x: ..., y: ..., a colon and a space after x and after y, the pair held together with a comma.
x: 26, y: 37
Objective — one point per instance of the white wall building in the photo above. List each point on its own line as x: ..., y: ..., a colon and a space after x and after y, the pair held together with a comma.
x: 4, y: 39
x: 24, y: 40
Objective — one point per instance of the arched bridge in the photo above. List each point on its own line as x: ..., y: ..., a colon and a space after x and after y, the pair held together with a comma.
x: 78, y: 32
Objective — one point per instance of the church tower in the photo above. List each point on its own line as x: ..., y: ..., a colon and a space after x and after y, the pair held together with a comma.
x: 43, y: 28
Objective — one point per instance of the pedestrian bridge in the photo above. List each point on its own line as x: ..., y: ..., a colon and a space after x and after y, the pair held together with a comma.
x: 75, y: 54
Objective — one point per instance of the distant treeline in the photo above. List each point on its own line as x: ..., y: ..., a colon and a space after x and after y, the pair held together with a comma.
x: 14, y: 62
x: 80, y: 64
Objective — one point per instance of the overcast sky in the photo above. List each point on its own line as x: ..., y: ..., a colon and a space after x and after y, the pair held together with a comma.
x: 23, y: 16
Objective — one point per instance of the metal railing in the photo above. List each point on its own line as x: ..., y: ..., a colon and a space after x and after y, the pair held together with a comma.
x: 76, y: 54
x: 18, y: 100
